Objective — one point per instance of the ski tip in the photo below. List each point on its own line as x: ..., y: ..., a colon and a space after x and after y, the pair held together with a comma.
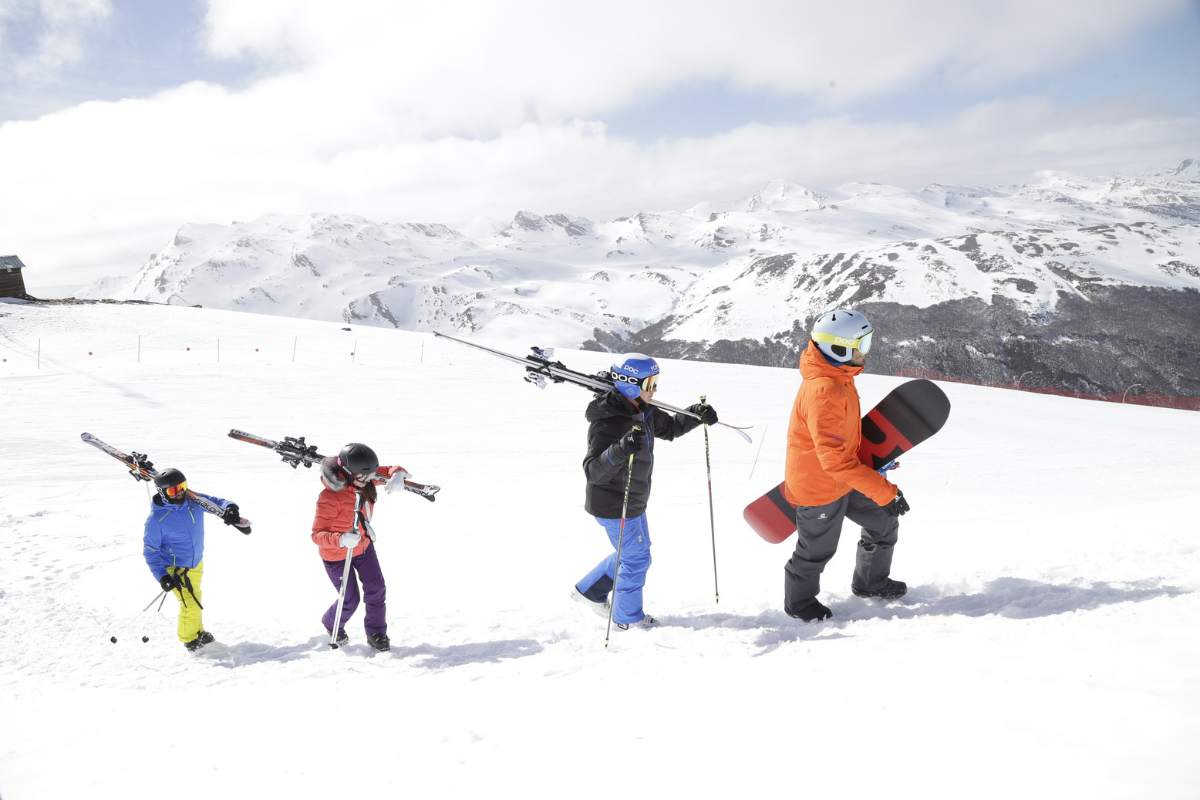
x: 740, y: 431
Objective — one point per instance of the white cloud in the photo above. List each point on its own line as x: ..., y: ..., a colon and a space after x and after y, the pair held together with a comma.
x: 62, y: 27
x: 482, y: 66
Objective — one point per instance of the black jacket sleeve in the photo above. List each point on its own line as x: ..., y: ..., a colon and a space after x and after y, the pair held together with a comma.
x: 668, y: 426
x: 601, y: 465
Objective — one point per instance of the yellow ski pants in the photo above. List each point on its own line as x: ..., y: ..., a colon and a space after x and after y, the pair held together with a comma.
x: 190, y: 621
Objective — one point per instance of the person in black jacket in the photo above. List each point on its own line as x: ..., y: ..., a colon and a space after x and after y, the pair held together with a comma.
x: 623, y: 423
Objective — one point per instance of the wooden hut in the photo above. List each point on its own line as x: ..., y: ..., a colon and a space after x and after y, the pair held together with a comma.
x: 12, y: 284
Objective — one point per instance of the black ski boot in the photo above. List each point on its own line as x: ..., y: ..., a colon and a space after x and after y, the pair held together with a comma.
x: 812, y: 611
x: 342, y: 638
x: 202, y: 638
x: 887, y: 590
x: 380, y: 642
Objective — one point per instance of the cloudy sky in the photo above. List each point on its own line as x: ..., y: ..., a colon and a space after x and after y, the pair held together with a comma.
x: 122, y: 119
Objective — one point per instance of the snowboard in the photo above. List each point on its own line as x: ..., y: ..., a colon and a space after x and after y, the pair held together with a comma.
x: 907, y: 416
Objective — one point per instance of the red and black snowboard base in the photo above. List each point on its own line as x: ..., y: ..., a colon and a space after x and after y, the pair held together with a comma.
x: 910, y: 414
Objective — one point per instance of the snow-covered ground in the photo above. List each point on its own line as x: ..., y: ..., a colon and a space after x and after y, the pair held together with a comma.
x: 1048, y: 645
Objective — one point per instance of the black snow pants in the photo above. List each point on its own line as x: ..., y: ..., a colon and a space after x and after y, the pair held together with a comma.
x: 819, y: 528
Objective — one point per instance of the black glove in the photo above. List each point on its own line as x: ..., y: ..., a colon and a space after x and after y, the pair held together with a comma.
x: 897, y: 506
x: 706, y: 413
x: 231, y: 514
x: 631, y: 442
x: 169, y: 582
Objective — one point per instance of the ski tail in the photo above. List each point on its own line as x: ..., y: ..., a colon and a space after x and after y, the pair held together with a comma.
x: 261, y: 441
x: 293, y: 450
x: 140, y: 467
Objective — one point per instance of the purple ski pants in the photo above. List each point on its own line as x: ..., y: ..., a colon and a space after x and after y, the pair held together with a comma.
x: 374, y: 591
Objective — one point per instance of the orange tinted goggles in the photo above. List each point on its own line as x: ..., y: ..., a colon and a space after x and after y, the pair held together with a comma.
x: 176, y: 490
x: 650, y: 384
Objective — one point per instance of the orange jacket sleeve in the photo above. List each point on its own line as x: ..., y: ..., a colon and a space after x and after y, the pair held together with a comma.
x: 384, y: 474
x: 836, y: 447
x: 322, y: 527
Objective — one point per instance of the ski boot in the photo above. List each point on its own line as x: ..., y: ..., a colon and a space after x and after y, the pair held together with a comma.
x: 812, y: 611
x: 342, y: 638
x: 888, y: 589
x: 380, y: 642
x: 202, y: 638
x: 645, y: 622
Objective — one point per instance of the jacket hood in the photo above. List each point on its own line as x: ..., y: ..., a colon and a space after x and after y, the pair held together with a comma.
x: 814, y: 364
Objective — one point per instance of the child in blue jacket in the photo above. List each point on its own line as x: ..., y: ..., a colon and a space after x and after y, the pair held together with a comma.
x: 173, y: 545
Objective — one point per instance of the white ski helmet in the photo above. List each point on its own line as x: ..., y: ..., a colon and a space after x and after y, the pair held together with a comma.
x: 837, y: 333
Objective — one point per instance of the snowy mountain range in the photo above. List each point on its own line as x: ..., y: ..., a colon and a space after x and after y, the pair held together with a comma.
x: 1084, y: 284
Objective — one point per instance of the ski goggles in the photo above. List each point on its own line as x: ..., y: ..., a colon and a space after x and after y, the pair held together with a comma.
x: 647, y: 384
x: 862, y: 343
x: 177, y: 490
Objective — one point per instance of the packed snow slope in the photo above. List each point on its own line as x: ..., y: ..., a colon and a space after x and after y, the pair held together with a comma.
x: 1047, y: 647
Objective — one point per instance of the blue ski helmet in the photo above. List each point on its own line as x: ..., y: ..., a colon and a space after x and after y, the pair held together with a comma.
x: 631, y: 374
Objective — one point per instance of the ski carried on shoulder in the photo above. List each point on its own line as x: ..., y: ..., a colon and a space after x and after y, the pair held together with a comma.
x: 141, y: 468
x: 295, y: 451
x: 539, y: 367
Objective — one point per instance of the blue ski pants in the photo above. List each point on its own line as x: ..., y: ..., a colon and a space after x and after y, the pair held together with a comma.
x: 635, y: 561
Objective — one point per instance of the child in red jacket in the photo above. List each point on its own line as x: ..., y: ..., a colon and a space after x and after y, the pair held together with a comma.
x: 335, y: 530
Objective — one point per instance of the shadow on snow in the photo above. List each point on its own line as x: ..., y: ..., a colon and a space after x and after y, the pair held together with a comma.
x: 455, y: 655
x: 1015, y: 598
x: 244, y: 654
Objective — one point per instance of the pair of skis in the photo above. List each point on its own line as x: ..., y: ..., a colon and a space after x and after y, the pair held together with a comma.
x: 295, y: 451
x: 540, y: 368
x: 141, y: 468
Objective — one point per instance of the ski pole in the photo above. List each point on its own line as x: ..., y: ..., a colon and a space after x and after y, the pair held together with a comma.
x: 620, y: 541
x: 162, y: 595
x: 337, y: 619
x: 712, y: 525
x: 159, y: 598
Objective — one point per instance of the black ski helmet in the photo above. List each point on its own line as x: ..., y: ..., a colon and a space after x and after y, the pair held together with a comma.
x: 358, y: 460
x: 167, y: 479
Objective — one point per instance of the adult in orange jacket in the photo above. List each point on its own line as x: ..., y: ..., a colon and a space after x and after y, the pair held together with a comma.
x: 824, y: 478
x: 335, y: 530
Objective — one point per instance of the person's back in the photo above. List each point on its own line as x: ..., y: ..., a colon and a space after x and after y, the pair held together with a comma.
x: 825, y: 479
x: 824, y: 433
